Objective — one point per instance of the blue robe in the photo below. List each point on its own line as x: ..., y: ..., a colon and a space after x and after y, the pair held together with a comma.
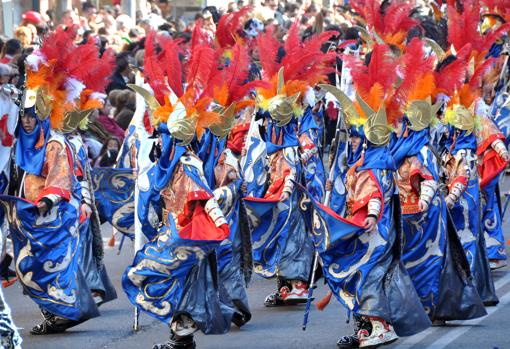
x: 445, y: 290
x: 466, y: 215
x: 171, y: 275
x: 491, y: 222
x: 281, y: 244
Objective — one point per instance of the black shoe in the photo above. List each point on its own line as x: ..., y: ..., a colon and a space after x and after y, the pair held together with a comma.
x: 52, y: 324
x: 48, y: 327
x: 177, y: 343
x: 241, y: 318
x: 348, y: 342
x: 274, y: 300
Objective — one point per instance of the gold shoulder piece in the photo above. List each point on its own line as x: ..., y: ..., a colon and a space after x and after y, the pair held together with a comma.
x: 419, y: 114
x: 74, y: 118
x: 436, y: 107
x: 281, y: 108
x: 183, y: 129
x: 42, y: 104
x: 461, y: 117
x: 222, y: 129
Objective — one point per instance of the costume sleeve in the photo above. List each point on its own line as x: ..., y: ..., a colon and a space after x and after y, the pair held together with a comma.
x: 86, y: 193
x: 367, y: 197
x: 307, y: 147
x: 59, y: 179
x: 460, y: 176
x: 487, y: 134
x: 291, y: 158
x: 499, y: 147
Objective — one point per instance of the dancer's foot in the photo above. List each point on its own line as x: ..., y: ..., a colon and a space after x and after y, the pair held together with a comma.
x: 379, y: 333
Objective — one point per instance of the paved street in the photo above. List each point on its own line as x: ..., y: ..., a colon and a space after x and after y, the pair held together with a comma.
x: 270, y: 328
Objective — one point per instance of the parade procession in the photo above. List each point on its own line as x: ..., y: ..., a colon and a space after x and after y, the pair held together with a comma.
x: 348, y: 161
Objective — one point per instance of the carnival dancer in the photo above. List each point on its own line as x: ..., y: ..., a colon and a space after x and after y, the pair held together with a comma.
x: 493, y: 157
x: 281, y: 246
x: 91, y: 240
x: 460, y: 170
x: 459, y: 156
x: 175, y: 277
x: 231, y: 254
x: 9, y: 98
x: 61, y: 91
x: 361, y: 256
x: 430, y: 251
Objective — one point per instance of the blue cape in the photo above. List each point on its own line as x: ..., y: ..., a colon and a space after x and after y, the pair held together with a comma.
x: 375, y: 157
x: 287, y: 132
x: 402, y: 147
x: 461, y: 141
x: 165, y: 166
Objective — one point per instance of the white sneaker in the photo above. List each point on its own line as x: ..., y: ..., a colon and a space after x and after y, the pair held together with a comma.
x: 298, y: 294
x: 497, y: 263
x: 382, y: 333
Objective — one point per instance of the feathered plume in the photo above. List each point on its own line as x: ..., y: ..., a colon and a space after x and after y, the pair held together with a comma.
x: 450, y: 77
x: 374, y: 82
x: 268, y: 47
x: 200, y: 66
x: 229, y: 24
x: 152, y: 68
x: 392, y: 25
x: 463, y: 30
x: 68, y: 78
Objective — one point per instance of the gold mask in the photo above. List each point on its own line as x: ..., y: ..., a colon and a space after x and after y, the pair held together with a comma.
x: 222, y: 129
x: 376, y: 128
x: 421, y: 114
x: 461, y: 117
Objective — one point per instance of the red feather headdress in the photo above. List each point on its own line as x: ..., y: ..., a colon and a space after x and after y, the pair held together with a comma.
x: 391, y: 26
x: 463, y: 30
x: 374, y: 83
x: 68, y: 78
x: 304, y: 64
x: 229, y: 26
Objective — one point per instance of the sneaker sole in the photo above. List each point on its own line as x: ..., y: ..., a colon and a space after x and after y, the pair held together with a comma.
x: 378, y: 345
x: 496, y: 267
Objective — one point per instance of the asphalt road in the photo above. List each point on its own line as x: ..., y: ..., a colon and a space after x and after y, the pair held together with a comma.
x: 278, y: 328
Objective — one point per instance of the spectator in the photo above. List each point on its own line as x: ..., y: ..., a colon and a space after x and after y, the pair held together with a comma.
x: 123, y: 73
x: 11, y: 48
x: 106, y: 119
x: 123, y: 118
x: 109, y: 153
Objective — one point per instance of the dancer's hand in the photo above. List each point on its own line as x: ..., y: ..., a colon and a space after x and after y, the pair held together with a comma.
x: 423, y: 205
x: 285, y: 196
x: 449, y: 202
x: 42, y: 207
x: 329, y: 185
x: 370, y: 223
x: 85, y: 211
